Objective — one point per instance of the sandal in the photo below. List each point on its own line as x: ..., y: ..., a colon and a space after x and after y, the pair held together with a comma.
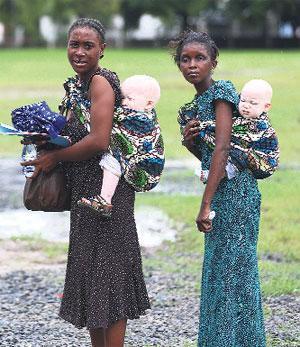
x: 97, y: 204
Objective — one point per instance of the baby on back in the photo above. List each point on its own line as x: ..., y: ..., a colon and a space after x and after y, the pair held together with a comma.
x: 254, y: 143
x: 136, y: 149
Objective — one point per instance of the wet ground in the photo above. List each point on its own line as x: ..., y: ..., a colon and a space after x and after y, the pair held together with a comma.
x: 153, y: 225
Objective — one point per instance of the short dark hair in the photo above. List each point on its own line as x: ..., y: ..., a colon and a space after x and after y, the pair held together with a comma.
x: 91, y: 23
x: 190, y: 36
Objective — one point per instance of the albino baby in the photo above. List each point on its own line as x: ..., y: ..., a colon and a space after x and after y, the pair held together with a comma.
x: 136, y: 151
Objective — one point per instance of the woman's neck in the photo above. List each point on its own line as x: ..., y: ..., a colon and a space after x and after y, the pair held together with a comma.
x: 201, y: 87
x: 85, y: 78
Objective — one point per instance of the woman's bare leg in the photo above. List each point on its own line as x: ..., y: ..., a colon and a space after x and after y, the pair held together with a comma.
x: 115, y: 334
x: 97, y: 337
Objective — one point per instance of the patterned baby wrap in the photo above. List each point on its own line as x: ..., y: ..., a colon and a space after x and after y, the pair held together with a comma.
x: 137, y: 144
x: 254, y: 144
x: 136, y: 140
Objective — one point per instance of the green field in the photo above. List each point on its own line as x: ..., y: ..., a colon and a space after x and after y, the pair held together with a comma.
x: 33, y: 75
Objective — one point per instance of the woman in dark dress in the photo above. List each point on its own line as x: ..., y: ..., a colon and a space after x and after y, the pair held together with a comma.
x: 104, y: 283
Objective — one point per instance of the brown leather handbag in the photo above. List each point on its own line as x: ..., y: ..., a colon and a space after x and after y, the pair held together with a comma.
x: 48, y: 192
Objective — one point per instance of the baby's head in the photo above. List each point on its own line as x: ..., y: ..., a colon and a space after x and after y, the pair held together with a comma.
x: 256, y: 96
x: 140, y: 92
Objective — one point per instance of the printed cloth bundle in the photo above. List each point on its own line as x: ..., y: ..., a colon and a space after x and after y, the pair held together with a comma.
x: 39, y: 118
x: 136, y: 141
x: 76, y: 100
x: 254, y: 143
x: 137, y: 144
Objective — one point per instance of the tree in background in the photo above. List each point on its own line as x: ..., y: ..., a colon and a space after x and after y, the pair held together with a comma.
x: 173, y: 11
x: 170, y: 11
x: 131, y: 11
x: 255, y: 13
x: 27, y: 13
x: 178, y: 13
x: 64, y: 10
x: 8, y: 16
x: 288, y: 11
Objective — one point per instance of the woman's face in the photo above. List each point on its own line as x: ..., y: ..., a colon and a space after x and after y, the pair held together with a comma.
x: 84, y: 51
x: 196, y: 63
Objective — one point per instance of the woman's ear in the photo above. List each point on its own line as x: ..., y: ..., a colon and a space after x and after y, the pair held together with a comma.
x: 102, y: 47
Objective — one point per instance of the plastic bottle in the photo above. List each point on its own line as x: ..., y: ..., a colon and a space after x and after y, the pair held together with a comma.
x: 29, y: 152
x: 212, y: 215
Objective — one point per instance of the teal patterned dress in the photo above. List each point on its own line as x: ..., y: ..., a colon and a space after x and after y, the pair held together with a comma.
x: 230, y: 307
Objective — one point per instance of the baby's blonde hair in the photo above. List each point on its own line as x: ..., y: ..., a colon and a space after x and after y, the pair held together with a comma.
x: 264, y: 86
x: 145, y: 85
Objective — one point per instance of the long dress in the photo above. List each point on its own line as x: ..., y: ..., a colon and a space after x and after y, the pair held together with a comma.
x: 230, y: 306
x: 104, y: 279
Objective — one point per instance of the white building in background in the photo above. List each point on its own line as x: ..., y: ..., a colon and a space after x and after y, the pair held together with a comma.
x: 1, y: 33
x: 48, y: 30
x: 149, y: 28
x: 286, y: 30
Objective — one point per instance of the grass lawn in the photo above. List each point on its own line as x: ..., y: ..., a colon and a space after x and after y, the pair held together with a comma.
x: 37, y: 74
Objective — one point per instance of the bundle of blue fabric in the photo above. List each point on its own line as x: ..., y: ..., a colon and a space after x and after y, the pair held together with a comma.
x: 39, y: 118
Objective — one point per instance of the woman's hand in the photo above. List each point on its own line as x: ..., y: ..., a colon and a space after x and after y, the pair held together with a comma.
x: 46, y: 161
x: 190, y: 131
x: 37, y: 139
x: 203, y: 222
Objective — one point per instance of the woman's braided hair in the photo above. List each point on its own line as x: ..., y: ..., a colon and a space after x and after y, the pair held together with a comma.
x: 190, y: 36
x: 91, y: 23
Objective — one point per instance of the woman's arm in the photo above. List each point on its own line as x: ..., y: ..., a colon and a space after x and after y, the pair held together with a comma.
x: 102, y: 101
x: 102, y: 106
x: 218, y: 161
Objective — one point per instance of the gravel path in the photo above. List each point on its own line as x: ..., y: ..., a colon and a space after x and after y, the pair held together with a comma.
x: 30, y: 302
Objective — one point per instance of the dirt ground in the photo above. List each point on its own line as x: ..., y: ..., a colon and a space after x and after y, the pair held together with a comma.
x: 19, y: 255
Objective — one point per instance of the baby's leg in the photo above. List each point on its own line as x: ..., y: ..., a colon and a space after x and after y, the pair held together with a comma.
x: 109, y: 185
x: 111, y: 175
x: 202, y: 174
x: 230, y: 172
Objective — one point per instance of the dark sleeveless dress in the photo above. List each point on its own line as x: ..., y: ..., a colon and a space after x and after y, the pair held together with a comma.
x: 104, y: 279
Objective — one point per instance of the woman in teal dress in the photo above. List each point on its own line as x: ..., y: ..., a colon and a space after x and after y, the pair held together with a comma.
x: 230, y: 307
